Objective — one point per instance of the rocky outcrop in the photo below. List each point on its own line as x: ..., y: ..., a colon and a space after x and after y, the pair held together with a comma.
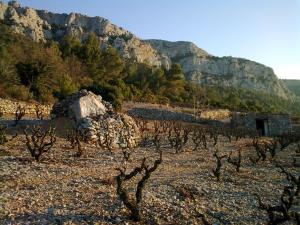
x: 96, y: 120
x: 42, y: 25
x: 197, y: 64
x: 81, y: 105
x: 203, y: 68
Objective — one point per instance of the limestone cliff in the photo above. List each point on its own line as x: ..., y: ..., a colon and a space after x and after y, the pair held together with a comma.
x: 197, y: 64
x: 42, y: 25
x: 204, y: 68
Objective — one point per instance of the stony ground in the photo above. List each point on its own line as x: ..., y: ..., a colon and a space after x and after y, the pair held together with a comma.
x: 64, y: 189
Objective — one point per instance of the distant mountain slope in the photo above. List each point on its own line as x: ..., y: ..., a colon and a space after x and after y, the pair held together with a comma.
x: 293, y: 85
x: 42, y: 25
x: 197, y: 64
x: 206, y: 69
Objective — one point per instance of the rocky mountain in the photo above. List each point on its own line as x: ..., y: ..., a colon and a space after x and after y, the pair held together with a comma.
x: 42, y: 25
x: 204, y: 68
x: 197, y: 64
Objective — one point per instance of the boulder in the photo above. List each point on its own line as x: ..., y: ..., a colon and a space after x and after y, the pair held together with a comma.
x: 89, y: 105
x: 81, y: 105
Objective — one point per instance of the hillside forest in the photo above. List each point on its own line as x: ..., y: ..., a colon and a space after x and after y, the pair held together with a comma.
x: 47, y: 72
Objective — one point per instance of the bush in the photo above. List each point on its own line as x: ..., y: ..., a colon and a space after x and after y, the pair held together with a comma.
x: 39, y: 141
x: 18, y: 92
x: 66, y: 87
x: 133, y: 204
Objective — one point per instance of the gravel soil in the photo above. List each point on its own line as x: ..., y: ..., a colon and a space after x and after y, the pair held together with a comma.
x: 65, y: 189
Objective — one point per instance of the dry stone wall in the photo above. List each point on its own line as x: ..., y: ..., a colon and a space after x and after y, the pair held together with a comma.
x: 216, y: 114
x: 9, y: 107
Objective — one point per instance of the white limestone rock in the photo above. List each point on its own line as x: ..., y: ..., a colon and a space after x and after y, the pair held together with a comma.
x: 80, y: 105
x: 87, y: 106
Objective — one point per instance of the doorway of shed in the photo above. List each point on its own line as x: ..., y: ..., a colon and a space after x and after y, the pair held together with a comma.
x: 262, y: 127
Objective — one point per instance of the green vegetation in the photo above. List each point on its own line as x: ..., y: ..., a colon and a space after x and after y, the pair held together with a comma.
x: 46, y: 72
x: 243, y: 100
x: 293, y: 85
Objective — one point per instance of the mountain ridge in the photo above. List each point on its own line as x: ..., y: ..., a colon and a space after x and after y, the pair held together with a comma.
x: 198, y: 65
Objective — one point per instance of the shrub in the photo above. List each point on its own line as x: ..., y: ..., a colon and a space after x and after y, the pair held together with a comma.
x: 217, y: 170
x: 285, y: 140
x: 178, y: 136
x: 198, y: 138
x: 260, y: 151
x: 236, y: 161
x: 271, y: 146
x: 143, y: 127
x: 19, y: 92
x: 66, y: 87
x: 283, y: 212
x: 214, y: 135
x: 39, y: 112
x: 134, y: 204
x: 19, y: 114
x: 75, y: 138
x: 39, y: 141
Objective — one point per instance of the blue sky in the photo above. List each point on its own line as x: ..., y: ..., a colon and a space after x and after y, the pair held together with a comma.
x: 266, y: 31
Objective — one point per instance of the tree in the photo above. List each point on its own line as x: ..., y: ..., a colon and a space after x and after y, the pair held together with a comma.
x: 29, y: 73
x: 175, y: 83
x: 111, y: 65
x: 65, y: 87
x: 42, y: 71
x: 157, y: 81
x: 70, y: 46
x: 90, y: 51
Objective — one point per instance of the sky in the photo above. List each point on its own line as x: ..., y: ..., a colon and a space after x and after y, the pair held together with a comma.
x: 266, y: 31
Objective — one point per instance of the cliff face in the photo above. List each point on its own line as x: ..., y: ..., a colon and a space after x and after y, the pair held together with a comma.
x: 42, y: 25
x: 197, y: 64
x: 203, y: 68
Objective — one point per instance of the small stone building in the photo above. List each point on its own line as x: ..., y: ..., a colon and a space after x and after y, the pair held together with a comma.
x: 266, y: 124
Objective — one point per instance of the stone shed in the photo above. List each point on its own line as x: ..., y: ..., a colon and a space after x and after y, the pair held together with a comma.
x: 264, y: 123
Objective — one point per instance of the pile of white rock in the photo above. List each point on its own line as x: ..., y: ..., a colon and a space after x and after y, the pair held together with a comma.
x: 96, y: 120
x: 120, y: 129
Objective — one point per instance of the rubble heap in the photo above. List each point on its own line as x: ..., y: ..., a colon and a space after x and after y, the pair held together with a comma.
x: 96, y: 120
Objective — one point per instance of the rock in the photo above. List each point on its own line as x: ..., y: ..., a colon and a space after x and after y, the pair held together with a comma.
x: 89, y: 105
x: 9, y: 107
x: 120, y: 129
x: 218, y: 114
x: 41, y: 25
x: 14, y: 4
x: 203, y: 68
x: 96, y: 120
x: 80, y: 105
